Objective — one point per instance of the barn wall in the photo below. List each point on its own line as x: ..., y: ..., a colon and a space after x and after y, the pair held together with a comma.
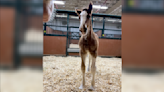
x: 142, y: 40
x: 26, y: 61
x: 74, y: 41
x: 109, y: 47
x: 54, y: 45
x: 7, y: 19
x: 34, y: 21
x: 51, y: 31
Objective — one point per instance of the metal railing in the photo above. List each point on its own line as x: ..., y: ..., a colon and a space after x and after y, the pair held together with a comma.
x: 68, y: 27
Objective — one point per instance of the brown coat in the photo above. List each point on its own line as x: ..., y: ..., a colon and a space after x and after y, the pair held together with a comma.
x: 89, y: 41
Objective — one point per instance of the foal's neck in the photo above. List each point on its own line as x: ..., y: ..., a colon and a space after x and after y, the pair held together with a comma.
x: 89, y: 28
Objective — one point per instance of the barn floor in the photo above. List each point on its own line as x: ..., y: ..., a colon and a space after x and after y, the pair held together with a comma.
x: 31, y: 80
x: 63, y: 74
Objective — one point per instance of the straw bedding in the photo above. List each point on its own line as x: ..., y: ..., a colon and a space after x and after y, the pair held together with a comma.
x: 63, y: 74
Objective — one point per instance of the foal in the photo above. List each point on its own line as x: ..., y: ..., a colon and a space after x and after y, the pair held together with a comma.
x: 88, y: 44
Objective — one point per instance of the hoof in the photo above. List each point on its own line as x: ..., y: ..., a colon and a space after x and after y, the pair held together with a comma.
x: 91, y: 88
x: 81, y: 87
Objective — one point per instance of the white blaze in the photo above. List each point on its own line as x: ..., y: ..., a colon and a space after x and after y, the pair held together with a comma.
x: 83, y: 18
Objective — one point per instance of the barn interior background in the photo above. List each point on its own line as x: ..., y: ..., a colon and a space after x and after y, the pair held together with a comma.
x: 142, y: 29
x: 61, y: 36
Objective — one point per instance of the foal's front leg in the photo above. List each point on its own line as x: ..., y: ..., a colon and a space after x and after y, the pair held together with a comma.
x: 83, y: 57
x: 90, y: 61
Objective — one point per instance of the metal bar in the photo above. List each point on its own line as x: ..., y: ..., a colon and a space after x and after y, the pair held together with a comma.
x: 44, y: 28
x: 54, y: 35
x: 31, y: 4
x: 113, y: 29
x: 109, y: 38
x: 7, y: 3
x: 69, y: 40
x: 141, y: 11
x: 78, y: 27
x: 67, y: 34
x: 93, y: 14
x: 23, y: 3
x: 16, y: 36
x: 102, y: 34
x: 92, y: 21
x: 55, y: 25
x: 79, y: 36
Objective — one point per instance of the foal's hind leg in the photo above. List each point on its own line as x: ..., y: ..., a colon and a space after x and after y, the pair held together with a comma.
x: 83, y: 57
x: 90, y: 58
x: 93, y: 70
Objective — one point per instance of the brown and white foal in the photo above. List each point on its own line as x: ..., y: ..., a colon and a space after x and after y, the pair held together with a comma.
x: 88, y: 44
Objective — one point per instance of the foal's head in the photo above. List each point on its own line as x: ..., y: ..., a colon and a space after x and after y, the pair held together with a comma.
x: 84, y: 16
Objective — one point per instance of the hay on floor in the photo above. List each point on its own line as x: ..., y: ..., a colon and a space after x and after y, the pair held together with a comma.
x: 63, y: 74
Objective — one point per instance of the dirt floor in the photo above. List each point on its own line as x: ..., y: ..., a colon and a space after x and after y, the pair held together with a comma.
x: 63, y: 74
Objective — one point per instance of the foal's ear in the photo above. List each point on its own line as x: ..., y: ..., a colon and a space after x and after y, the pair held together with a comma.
x: 77, y: 11
x: 90, y: 8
